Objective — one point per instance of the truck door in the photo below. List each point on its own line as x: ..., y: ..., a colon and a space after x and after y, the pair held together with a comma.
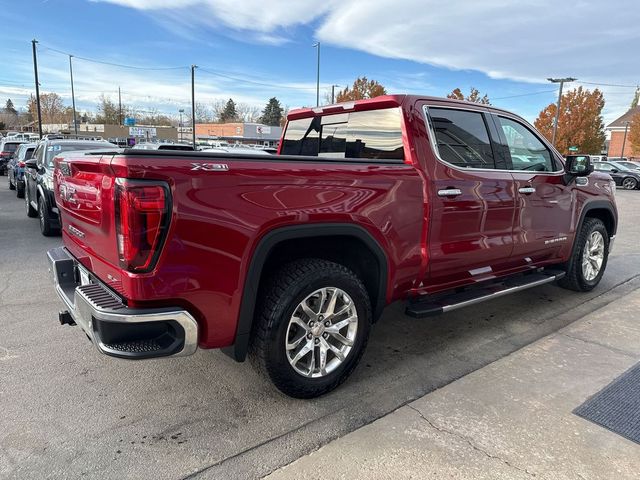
x: 471, y: 200
x: 543, y: 201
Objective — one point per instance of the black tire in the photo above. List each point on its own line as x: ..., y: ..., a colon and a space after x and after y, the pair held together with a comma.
x: 575, y: 278
x: 19, y: 191
x: 629, y: 183
x: 276, y: 304
x: 11, y: 185
x: 45, y: 224
x: 31, y: 212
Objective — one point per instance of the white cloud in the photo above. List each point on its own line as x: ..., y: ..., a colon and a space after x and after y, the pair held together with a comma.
x: 525, y: 41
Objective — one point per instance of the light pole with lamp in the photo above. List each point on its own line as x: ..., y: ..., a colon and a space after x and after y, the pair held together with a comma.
x: 561, y: 81
x: 317, y: 45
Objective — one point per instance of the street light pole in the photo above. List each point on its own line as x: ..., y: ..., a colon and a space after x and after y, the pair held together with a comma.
x: 333, y: 93
x: 624, y: 139
x: 73, y: 98
x: 561, y: 81
x: 180, y: 133
x: 317, y: 45
x: 35, y: 71
x: 193, y: 104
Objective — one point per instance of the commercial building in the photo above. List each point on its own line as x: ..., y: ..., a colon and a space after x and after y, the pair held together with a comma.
x: 140, y: 132
x: 245, y: 133
x: 616, y: 130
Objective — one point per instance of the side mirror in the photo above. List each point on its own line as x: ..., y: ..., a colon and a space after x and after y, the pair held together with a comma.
x: 614, y: 170
x: 31, y: 164
x: 578, y: 165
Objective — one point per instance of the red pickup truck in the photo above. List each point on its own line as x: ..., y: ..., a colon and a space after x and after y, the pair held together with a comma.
x: 291, y: 258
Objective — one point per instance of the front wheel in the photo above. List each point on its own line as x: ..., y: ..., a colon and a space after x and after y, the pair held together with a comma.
x: 312, y: 325
x: 589, y: 257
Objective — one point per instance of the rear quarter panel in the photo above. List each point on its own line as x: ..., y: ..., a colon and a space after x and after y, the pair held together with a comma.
x: 219, y: 217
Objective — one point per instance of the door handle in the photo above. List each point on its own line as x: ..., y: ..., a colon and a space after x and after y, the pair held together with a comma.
x: 527, y: 190
x: 449, y: 192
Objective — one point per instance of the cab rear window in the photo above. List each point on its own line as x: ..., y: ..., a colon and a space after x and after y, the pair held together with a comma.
x: 374, y: 134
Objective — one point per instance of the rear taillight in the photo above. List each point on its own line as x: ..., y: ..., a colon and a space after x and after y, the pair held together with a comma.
x: 21, y: 164
x: 142, y: 212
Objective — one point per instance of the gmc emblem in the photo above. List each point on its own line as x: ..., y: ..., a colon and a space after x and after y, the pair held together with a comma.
x: 210, y: 167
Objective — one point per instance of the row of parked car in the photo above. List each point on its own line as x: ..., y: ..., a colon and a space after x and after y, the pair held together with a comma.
x: 29, y: 170
x: 625, y: 173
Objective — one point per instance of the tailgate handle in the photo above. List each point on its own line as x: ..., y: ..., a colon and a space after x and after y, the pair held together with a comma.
x: 527, y: 190
x: 449, y: 192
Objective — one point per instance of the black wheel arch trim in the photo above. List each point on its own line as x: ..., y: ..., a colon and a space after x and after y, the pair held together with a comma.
x: 238, y: 351
x: 598, y: 205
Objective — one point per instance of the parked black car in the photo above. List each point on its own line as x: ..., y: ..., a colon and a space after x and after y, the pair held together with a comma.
x: 39, y: 195
x: 8, y: 147
x: 627, y: 178
x: 16, y: 167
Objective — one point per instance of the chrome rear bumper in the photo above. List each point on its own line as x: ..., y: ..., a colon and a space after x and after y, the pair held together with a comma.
x: 115, y: 329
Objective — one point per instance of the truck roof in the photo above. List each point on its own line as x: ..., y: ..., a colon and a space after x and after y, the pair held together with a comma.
x: 383, y: 101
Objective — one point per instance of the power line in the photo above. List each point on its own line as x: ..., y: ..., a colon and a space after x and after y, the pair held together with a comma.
x: 524, y: 94
x: 609, y: 84
x: 244, y: 80
x: 113, y: 64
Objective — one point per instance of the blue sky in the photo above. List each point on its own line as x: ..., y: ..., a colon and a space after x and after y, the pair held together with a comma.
x: 252, y: 50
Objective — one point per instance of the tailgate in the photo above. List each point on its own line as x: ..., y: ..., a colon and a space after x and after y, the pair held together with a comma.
x: 84, y: 195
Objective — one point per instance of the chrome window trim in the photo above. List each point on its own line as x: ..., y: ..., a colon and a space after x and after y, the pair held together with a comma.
x: 434, y: 147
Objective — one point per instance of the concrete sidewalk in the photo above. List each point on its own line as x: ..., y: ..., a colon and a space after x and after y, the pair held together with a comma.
x: 509, y: 420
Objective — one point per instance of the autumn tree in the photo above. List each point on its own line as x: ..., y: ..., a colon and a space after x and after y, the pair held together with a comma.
x: 634, y: 133
x: 272, y: 113
x: 474, y: 96
x: 580, y: 123
x: 51, y: 107
x: 362, y: 88
x: 229, y: 113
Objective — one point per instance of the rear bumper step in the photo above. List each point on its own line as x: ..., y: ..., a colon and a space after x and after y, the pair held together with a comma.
x: 428, y: 306
x: 115, y: 329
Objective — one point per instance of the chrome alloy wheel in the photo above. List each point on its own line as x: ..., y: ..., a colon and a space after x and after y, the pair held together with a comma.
x: 321, y: 332
x: 592, y: 256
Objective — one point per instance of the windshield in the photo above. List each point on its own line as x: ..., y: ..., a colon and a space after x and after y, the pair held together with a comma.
x: 10, y: 147
x: 53, y: 150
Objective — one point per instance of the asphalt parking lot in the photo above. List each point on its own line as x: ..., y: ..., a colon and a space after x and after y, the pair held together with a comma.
x: 69, y: 412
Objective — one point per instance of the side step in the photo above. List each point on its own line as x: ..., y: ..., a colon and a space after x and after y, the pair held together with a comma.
x: 428, y: 306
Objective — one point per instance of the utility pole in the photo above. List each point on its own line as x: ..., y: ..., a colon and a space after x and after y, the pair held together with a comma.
x: 561, y: 81
x: 35, y: 71
x: 181, y: 111
x: 193, y: 104
x: 73, y: 98
x: 317, y: 45
x: 333, y: 93
x: 624, y: 139
x: 119, y: 106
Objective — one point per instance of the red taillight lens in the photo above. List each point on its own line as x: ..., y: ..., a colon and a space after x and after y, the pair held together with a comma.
x: 142, y: 219
x: 21, y: 164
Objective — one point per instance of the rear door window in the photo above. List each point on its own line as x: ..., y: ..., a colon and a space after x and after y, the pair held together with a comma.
x: 374, y: 134
x: 460, y: 137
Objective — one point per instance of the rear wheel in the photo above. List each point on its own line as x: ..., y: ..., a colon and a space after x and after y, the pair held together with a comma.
x: 589, y: 257
x: 312, y: 325
x: 31, y: 212
x: 45, y: 224
x: 629, y: 183
x: 19, y: 190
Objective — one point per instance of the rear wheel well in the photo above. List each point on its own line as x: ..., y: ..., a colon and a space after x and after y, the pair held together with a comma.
x: 346, y: 250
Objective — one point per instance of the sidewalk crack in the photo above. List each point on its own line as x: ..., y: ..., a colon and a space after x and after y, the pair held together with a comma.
x: 608, y: 347
x: 470, y: 443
